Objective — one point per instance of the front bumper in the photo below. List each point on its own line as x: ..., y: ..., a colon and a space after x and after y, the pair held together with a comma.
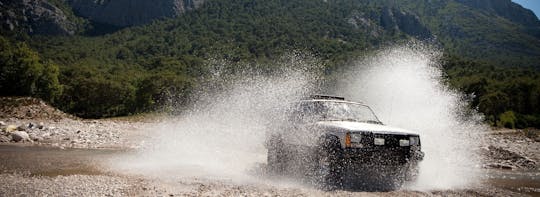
x: 382, y: 156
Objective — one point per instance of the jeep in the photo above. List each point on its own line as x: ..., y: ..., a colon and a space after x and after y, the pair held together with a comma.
x: 335, y: 143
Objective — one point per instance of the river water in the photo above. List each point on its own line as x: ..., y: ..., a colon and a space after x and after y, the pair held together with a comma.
x: 47, y: 161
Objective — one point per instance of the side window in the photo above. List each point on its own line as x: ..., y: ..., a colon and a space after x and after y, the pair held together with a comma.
x: 307, y: 112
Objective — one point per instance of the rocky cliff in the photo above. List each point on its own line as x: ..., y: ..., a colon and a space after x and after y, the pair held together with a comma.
x: 506, y: 9
x: 396, y: 20
x: 391, y: 20
x: 131, y: 12
x: 34, y: 17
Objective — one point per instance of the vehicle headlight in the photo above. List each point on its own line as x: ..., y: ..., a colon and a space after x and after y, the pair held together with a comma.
x: 404, y: 142
x: 378, y: 141
x: 414, y: 141
x: 356, y: 137
x: 353, y: 140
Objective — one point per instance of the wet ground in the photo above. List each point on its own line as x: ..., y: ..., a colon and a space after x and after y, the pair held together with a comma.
x: 520, y: 181
x: 37, y: 170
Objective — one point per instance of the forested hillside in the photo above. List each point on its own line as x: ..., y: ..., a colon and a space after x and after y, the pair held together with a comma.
x: 492, y: 50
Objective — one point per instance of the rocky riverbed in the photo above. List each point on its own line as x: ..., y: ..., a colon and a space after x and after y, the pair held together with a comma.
x: 72, y: 133
x: 32, y: 121
x: 512, y: 149
x: 29, y: 170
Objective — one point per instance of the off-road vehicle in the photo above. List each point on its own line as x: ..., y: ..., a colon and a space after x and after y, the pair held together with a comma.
x: 336, y: 143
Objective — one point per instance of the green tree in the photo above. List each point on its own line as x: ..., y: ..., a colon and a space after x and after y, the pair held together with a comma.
x: 163, y: 89
x: 22, y: 73
x: 507, y: 119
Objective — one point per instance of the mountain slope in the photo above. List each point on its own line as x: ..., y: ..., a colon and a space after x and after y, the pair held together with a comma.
x: 499, y: 31
x: 135, y: 68
x: 131, y: 12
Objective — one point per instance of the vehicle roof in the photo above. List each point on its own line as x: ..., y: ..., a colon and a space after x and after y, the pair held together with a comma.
x: 333, y: 100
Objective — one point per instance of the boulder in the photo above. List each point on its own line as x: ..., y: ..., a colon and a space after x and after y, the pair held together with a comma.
x: 19, y: 136
x: 21, y: 128
x: 35, y: 137
x: 4, y: 139
x: 31, y: 125
x: 40, y: 125
x: 10, y: 128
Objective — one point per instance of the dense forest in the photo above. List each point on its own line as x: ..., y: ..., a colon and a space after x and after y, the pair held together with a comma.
x: 507, y: 96
x: 104, y: 71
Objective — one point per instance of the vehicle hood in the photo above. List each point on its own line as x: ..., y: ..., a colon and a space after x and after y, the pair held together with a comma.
x: 360, y: 126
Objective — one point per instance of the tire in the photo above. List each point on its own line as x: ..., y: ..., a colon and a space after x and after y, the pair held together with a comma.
x: 412, y: 172
x: 276, y: 156
x: 329, y: 158
x: 397, y: 176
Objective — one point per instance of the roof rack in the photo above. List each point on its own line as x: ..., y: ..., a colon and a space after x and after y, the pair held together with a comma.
x: 327, y: 97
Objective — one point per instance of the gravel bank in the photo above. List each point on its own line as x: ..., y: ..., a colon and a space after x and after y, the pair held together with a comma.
x: 74, y: 185
x: 512, y: 149
x: 98, y: 185
x: 74, y: 133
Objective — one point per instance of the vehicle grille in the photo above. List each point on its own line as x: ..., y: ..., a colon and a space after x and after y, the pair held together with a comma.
x: 390, y: 153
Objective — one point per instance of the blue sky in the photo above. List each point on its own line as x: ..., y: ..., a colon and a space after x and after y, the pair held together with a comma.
x: 533, y: 5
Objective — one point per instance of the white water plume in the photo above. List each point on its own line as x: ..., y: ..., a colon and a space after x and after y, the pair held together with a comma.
x: 405, y: 88
x: 222, y: 135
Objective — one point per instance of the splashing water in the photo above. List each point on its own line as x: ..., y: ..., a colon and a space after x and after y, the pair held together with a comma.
x: 404, y: 87
x: 222, y: 135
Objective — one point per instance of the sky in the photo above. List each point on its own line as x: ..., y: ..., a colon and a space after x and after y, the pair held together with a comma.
x: 533, y: 5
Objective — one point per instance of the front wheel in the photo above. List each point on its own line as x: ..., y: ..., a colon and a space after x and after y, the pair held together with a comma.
x: 329, y: 169
x: 276, y: 156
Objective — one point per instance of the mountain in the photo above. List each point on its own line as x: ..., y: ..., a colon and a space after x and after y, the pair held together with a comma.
x: 506, y: 9
x: 491, y: 30
x: 131, y: 12
x: 36, y: 17
x: 157, y: 48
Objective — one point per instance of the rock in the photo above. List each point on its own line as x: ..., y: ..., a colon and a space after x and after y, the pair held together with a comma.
x: 393, y: 20
x: 30, y: 125
x: 499, y: 166
x: 21, y: 128
x: 19, y: 136
x: 507, y: 158
x: 10, y: 128
x: 40, y: 125
x: 2, y: 123
x: 36, y: 17
x: 35, y: 137
x: 4, y: 139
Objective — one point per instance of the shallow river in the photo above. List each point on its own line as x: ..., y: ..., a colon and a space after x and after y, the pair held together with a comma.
x: 46, y: 161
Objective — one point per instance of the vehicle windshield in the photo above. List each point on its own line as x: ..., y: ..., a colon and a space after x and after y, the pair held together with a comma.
x: 330, y: 110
